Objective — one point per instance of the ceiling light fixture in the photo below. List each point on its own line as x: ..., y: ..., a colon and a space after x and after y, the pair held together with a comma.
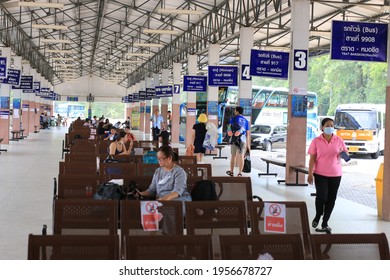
x: 49, y: 26
x: 148, y: 45
x: 320, y: 33
x: 62, y: 58
x: 179, y: 11
x: 161, y: 31
x: 60, y: 51
x: 139, y: 54
x: 41, y: 5
x: 130, y: 61
x: 56, y: 41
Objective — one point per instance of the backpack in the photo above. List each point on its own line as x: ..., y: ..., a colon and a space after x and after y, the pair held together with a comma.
x: 109, y: 191
x: 204, y: 190
x: 150, y: 157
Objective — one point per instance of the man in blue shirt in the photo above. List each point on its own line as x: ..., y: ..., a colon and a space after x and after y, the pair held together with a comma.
x: 157, y: 124
x: 237, y: 129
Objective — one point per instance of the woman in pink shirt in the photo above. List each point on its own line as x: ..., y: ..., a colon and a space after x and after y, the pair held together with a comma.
x: 325, y: 167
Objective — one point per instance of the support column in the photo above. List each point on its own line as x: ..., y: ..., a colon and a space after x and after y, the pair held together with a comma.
x: 191, y: 100
x: 18, y: 100
x: 176, y: 103
x: 245, y: 84
x: 4, y: 101
x: 386, y: 158
x: 148, y: 104
x: 165, y: 100
x: 156, y: 101
x: 31, y: 98
x: 296, y: 128
x: 212, y: 94
x: 141, y: 87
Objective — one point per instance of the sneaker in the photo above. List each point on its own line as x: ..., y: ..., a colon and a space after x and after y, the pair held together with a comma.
x: 326, y: 228
x: 314, y: 223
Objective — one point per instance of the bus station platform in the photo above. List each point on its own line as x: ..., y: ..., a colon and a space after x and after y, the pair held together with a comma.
x: 28, y: 168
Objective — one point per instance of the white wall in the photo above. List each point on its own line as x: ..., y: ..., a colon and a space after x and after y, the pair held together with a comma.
x: 102, y: 90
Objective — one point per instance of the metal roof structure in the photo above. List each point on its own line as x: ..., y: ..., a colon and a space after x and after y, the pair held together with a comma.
x: 125, y: 41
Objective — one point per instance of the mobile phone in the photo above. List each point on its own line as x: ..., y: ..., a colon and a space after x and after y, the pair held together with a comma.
x: 345, y: 156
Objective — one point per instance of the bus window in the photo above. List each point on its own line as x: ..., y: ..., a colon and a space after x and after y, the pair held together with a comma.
x: 259, y: 101
x: 273, y: 100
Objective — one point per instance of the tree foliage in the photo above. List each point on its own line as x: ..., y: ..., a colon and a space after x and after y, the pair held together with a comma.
x: 338, y: 82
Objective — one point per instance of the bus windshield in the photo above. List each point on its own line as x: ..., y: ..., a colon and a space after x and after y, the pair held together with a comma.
x: 351, y: 120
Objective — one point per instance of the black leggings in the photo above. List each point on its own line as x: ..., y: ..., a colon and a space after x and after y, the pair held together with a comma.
x: 326, y: 189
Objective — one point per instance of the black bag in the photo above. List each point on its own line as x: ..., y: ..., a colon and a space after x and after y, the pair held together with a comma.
x: 204, y: 190
x: 109, y: 191
x: 247, y: 162
x: 110, y: 159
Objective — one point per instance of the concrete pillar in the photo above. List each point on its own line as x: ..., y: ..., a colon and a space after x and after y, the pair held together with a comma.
x: 148, y: 105
x: 156, y: 101
x: 141, y: 87
x: 296, y: 127
x: 176, y: 103
x: 165, y: 100
x: 31, y: 98
x: 386, y: 158
x: 18, y: 99
x: 212, y: 94
x: 4, y: 101
x: 245, y: 85
x: 191, y: 100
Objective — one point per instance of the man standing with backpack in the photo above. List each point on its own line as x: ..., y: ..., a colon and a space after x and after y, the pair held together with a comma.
x: 237, y: 130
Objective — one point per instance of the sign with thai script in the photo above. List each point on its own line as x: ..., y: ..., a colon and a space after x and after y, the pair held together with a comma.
x: 13, y: 77
x: 3, y: 67
x: 72, y: 98
x: 361, y: 135
x: 269, y: 64
x: 164, y: 91
x: 362, y: 41
x: 275, y: 217
x: 223, y: 75
x: 44, y: 92
x: 36, y: 88
x: 26, y: 82
x: 142, y: 95
x: 150, y: 217
x: 195, y: 83
x: 150, y: 93
x: 136, y: 96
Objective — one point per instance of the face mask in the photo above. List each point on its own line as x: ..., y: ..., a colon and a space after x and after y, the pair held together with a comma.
x: 328, y: 130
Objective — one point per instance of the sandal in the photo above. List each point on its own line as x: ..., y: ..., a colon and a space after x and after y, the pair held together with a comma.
x: 239, y: 175
x: 231, y: 174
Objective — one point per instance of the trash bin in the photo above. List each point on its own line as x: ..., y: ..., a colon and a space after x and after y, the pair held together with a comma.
x: 379, y: 189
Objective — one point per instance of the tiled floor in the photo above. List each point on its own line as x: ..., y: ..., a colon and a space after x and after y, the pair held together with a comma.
x: 26, y: 190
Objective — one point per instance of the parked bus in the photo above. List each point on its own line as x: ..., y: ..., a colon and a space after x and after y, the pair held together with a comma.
x: 362, y: 127
x: 269, y: 106
x: 70, y: 110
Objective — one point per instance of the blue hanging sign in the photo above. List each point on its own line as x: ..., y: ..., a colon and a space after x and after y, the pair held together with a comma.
x: 223, y: 76
x: 195, y: 83
x: 269, y: 64
x: 44, y: 92
x: 13, y: 77
x: 26, y: 83
x: 142, y: 95
x: 164, y: 91
x: 136, y: 96
x: 362, y: 41
x: 130, y: 98
x: 3, y: 67
x: 150, y: 93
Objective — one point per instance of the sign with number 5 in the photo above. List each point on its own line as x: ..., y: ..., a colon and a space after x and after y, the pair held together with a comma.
x: 300, y: 60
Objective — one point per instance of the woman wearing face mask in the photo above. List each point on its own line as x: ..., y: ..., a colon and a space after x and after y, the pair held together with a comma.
x: 325, y: 167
